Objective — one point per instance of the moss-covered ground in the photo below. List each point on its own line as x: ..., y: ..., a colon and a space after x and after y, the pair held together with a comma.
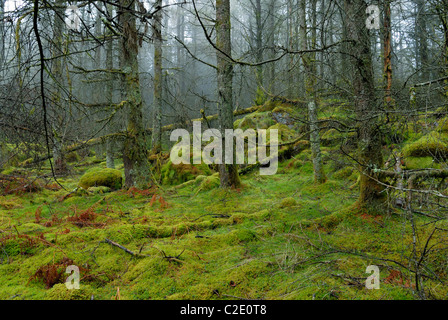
x: 278, y: 237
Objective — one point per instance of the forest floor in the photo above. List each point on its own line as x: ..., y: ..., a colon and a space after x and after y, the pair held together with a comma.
x: 279, y: 237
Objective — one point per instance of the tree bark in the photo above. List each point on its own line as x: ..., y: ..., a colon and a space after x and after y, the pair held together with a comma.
x: 369, y: 136
x: 228, y: 172
x: 310, y: 94
x: 158, y: 79
x: 110, y: 144
x: 271, y: 43
x: 135, y: 157
x: 387, y: 52
x: 57, y: 107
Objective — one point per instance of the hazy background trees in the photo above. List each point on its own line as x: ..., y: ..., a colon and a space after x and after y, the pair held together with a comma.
x: 164, y: 59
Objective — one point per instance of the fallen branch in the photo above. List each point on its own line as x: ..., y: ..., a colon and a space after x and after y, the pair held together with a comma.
x: 112, y: 243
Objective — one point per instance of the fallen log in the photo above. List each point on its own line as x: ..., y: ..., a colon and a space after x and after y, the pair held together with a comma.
x: 103, y: 139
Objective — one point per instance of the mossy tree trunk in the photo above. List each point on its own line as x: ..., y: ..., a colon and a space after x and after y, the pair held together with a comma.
x: 135, y: 155
x: 369, y: 136
x: 110, y: 143
x: 57, y: 116
x: 228, y: 172
x: 271, y: 23
x: 158, y: 79
x: 309, y: 63
x: 2, y: 38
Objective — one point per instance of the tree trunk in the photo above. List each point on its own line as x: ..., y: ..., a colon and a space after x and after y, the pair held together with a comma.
x: 259, y: 42
x: 158, y: 79
x: 271, y: 43
x: 2, y: 35
x: 369, y: 138
x: 387, y: 53
x: 57, y: 105
x: 110, y: 144
x: 421, y: 38
x: 228, y: 172
x: 135, y: 157
x: 310, y: 95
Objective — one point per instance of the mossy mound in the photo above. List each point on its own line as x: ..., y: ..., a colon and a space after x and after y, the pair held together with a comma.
x: 60, y: 292
x: 111, y: 178
x: 443, y: 125
x: 287, y: 203
x: 343, y: 173
x: 99, y: 190
x: 256, y: 120
x: 415, y: 163
x: 431, y: 145
x: 285, y: 134
x: 209, y: 183
x: 177, y: 174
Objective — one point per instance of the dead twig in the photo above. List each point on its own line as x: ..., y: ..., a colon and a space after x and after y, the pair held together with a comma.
x: 112, y: 243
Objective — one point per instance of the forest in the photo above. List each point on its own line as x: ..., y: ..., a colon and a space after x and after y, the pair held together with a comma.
x: 224, y: 150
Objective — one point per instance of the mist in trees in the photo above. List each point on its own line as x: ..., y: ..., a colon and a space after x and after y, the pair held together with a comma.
x: 118, y: 75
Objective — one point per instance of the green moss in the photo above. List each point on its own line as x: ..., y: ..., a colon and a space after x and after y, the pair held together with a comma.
x: 111, y: 178
x: 413, y: 163
x: 60, y: 292
x: 343, y: 174
x: 260, y: 97
x: 256, y: 120
x: 287, y: 203
x: 331, y: 137
x: 285, y: 134
x: 72, y: 157
x: 178, y: 174
x: 99, y: 190
x: 209, y: 183
x: 10, y: 203
x: 431, y: 145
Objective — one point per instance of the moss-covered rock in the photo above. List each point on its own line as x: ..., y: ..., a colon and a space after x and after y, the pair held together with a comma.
x: 284, y: 115
x: 285, y: 134
x: 431, y: 145
x: 415, y: 163
x: 111, y: 178
x: 256, y: 120
x: 177, y: 174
